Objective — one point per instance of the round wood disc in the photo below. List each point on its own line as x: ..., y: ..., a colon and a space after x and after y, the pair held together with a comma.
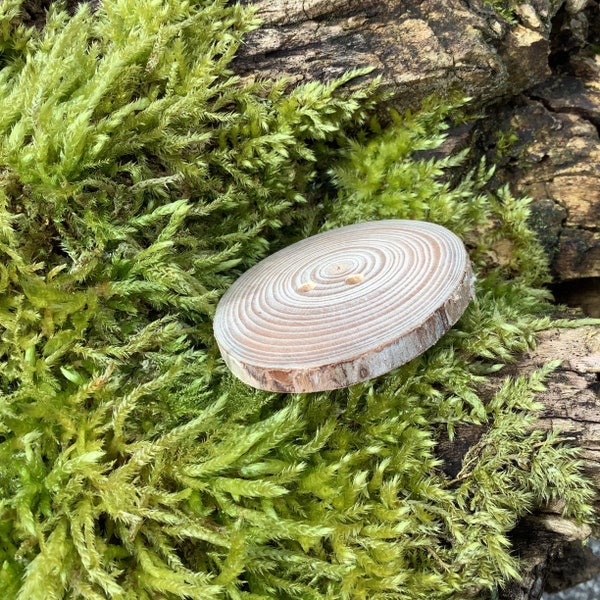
x: 343, y: 306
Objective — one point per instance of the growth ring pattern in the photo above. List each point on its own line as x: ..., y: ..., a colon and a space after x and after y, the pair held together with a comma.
x: 343, y: 306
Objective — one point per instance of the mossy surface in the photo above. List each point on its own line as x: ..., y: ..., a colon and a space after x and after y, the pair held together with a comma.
x: 140, y: 177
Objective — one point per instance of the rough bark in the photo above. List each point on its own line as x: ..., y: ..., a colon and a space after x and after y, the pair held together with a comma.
x: 554, y: 158
x: 571, y: 400
x: 550, y: 545
x: 425, y: 47
x: 412, y: 44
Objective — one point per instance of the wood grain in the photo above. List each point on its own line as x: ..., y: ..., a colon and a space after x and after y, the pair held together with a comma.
x: 343, y: 306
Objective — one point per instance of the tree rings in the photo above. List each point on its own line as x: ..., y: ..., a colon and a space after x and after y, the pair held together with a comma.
x: 343, y: 306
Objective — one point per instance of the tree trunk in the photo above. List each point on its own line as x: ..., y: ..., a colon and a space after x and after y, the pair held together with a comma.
x: 425, y: 47
x: 550, y: 545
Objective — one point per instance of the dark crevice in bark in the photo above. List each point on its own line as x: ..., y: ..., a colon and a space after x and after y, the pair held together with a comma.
x: 583, y: 293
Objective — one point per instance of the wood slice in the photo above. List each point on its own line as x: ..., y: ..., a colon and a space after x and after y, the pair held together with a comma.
x: 343, y: 306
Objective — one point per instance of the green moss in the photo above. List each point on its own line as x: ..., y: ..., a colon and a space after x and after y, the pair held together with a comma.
x: 139, y: 178
x: 504, y: 8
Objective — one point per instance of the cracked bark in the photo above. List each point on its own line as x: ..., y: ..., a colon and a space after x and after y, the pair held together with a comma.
x: 555, y: 160
x: 572, y: 400
x: 412, y: 44
x: 548, y: 544
x: 425, y: 47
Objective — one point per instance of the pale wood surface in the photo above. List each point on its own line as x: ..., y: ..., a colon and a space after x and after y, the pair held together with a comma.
x: 344, y: 306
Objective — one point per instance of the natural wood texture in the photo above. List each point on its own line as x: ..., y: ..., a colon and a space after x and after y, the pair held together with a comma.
x: 554, y: 158
x: 344, y: 306
x: 418, y: 47
x: 548, y: 543
x: 425, y: 47
x: 572, y: 398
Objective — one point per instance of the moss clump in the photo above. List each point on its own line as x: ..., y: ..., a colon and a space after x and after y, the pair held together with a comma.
x: 139, y: 178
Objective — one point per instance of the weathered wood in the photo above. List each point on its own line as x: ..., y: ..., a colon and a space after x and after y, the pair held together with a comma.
x: 572, y: 398
x: 547, y: 542
x: 425, y: 47
x: 344, y: 306
x: 554, y: 158
x: 418, y: 47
